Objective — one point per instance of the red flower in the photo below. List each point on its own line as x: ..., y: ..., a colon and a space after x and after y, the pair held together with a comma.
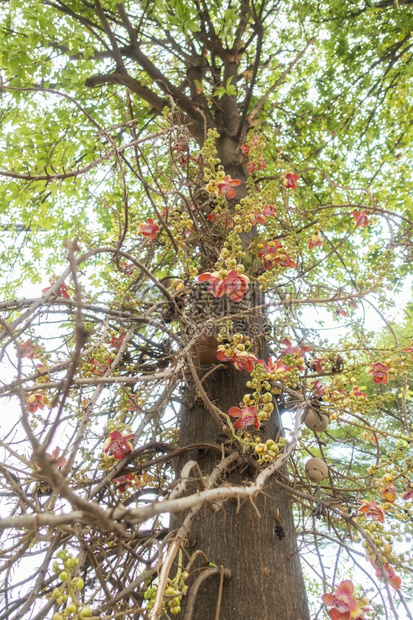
x: 245, y: 148
x: 244, y: 361
x: 273, y: 369
x: 149, y: 229
x: 59, y: 461
x: 116, y: 341
x: 317, y: 364
x: 247, y: 417
x: 61, y: 291
x: 258, y: 218
x: 380, y: 373
x: 100, y: 368
x: 409, y: 492
x: 251, y: 166
x: 225, y: 354
x: 268, y: 210
x: 123, y: 482
x: 128, y: 268
x: 345, y: 607
x: 393, y: 579
x: 358, y: 393
x: 318, y: 388
x: 262, y: 164
x: 315, y: 241
x: 234, y: 284
x: 371, y: 509
x: 273, y: 253
x: 389, y: 493
x: 27, y: 349
x: 36, y: 401
x: 290, y: 181
x: 118, y: 444
x: 226, y: 186
x: 360, y: 218
x: 290, y: 349
x: 240, y: 359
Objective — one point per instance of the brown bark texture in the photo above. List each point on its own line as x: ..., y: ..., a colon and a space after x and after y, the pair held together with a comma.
x: 255, y: 541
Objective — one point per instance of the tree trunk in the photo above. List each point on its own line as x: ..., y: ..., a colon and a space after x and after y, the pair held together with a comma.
x: 257, y: 543
x: 256, y: 540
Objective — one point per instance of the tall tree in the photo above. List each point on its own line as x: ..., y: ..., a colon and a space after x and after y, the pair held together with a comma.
x: 214, y: 170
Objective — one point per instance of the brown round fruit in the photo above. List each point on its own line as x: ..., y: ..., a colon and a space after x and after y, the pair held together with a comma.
x: 316, y: 421
x: 316, y: 470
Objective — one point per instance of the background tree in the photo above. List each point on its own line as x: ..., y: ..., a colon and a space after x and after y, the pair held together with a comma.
x: 215, y: 171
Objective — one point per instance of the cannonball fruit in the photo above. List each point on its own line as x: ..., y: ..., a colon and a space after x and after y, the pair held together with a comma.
x: 316, y: 470
x: 316, y: 421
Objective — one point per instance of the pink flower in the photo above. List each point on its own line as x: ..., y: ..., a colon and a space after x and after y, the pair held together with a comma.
x: 149, y: 229
x: 393, y: 579
x: 240, y: 359
x: 251, y: 166
x: 409, y: 492
x: 315, y: 241
x: 61, y: 291
x: 128, y: 268
x: 290, y: 349
x: 27, y: 349
x: 100, y: 368
x: 234, y: 284
x: 245, y: 149
x: 258, y: 218
x: 318, y: 388
x: 358, y: 393
x: 247, y: 417
x: 360, y: 218
x: 371, y: 509
x: 380, y: 373
x: 345, y: 607
x: 225, y: 354
x: 118, y: 444
x: 116, y: 341
x: 226, y: 186
x: 123, y: 482
x: 273, y: 253
x: 290, y: 181
x: 389, y: 493
x: 275, y: 369
x: 59, y: 461
x: 268, y: 210
x: 244, y: 361
x: 317, y: 364
x: 36, y: 401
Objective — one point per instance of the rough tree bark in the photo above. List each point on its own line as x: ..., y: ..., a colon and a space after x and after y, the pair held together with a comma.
x: 256, y: 540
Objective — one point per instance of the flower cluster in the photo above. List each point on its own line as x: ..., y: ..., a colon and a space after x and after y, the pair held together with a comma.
x: 222, y: 184
x: 261, y: 216
x: 241, y: 359
x: 273, y: 253
x: 254, y: 150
